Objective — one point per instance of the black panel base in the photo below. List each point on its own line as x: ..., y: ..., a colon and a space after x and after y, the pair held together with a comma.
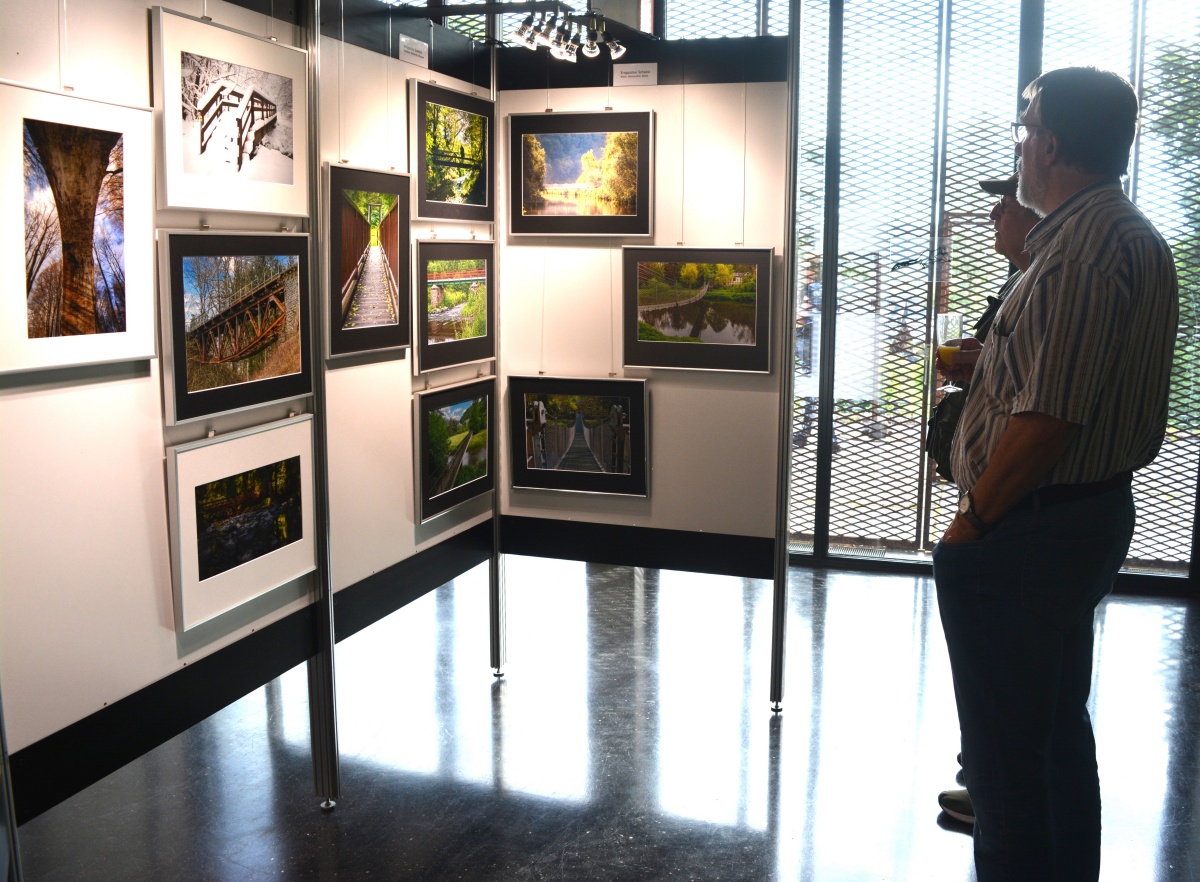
x: 749, y: 557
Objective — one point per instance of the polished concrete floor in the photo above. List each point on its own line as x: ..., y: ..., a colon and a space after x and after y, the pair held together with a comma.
x: 632, y: 739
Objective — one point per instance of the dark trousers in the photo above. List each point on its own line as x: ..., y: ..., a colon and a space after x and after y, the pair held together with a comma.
x: 1017, y: 609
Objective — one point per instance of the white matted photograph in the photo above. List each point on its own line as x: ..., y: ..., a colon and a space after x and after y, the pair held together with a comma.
x: 78, y: 280
x: 241, y: 511
x: 232, y: 118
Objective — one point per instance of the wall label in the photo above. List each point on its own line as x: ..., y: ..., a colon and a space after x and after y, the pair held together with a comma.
x: 413, y: 51
x: 641, y: 74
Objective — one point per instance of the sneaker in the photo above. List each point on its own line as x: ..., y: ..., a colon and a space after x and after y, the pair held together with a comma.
x: 957, y: 804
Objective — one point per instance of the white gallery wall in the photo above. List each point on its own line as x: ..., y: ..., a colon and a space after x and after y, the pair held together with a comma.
x: 85, y: 583
x: 719, y: 183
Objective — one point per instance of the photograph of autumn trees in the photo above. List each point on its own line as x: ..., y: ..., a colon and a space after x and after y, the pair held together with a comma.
x: 241, y: 318
x: 456, y: 299
x: 456, y: 447
x: 697, y: 302
x: 456, y: 155
x: 236, y: 120
x: 242, y: 517
x: 579, y: 173
x: 74, y: 230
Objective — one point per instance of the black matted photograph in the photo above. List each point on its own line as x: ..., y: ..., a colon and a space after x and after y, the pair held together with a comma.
x: 581, y: 174
x: 456, y: 450
x: 453, y: 142
x: 235, y: 321
x: 368, y: 261
x: 456, y: 303
x: 584, y: 435
x: 697, y: 308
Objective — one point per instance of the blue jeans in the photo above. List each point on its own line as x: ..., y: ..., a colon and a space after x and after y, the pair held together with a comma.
x: 1017, y: 609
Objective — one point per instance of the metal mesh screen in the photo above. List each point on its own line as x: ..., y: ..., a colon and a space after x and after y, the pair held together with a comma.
x: 915, y: 238
x: 1166, y: 168
x: 809, y: 233
x: 692, y: 19
x: 473, y: 26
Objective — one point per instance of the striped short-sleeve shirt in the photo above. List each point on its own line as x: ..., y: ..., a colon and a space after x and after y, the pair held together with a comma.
x: 1087, y: 336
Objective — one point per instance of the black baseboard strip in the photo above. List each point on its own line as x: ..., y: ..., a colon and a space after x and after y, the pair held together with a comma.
x: 749, y: 557
x: 60, y: 765
x: 369, y: 600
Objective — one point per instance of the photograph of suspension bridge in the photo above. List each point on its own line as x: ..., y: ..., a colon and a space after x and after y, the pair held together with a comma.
x: 242, y: 517
x: 697, y: 302
x: 74, y: 230
x: 578, y: 433
x: 456, y: 155
x: 241, y: 317
x: 579, y: 173
x: 369, y: 257
x: 456, y: 450
x: 237, y: 120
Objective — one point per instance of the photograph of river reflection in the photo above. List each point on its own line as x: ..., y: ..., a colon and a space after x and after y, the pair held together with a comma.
x: 242, y: 517
x: 579, y: 173
x: 697, y: 302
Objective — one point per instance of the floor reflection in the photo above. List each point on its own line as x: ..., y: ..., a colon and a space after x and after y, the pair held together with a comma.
x: 631, y: 738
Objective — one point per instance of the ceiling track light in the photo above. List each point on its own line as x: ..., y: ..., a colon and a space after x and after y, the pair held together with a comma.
x: 544, y: 34
x: 523, y: 28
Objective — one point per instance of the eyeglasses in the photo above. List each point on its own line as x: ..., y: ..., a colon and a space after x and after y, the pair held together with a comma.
x: 1020, y: 131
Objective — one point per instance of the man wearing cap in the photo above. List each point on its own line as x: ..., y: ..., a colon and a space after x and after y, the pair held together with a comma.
x: 1069, y: 398
x: 1012, y: 223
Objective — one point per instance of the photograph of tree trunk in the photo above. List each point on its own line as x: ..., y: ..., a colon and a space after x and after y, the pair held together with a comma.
x: 579, y: 173
x: 244, y: 516
x: 74, y: 230
x: 236, y: 120
x: 456, y: 155
x: 241, y: 320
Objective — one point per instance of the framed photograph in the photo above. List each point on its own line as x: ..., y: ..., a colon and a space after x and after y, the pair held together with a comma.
x: 581, y: 174
x: 368, y: 260
x: 75, y: 205
x: 234, y: 321
x: 589, y: 436
x: 456, y: 303
x: 232, y: 112
x: 241, y: 512
x: 453, y: 142
x: 456, y: 450
x: 698, y: 308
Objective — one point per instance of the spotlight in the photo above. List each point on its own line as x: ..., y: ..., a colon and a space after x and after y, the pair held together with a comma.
x: 615, y: 49
x: 528, y: 40
x: 543, y: 34
x: 523, y: 28
x: 562, y: 39
x: 590, y: 48
x: 572, y: 48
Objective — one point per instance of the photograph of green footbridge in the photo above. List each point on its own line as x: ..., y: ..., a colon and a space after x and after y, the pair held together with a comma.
x: 577, y: 433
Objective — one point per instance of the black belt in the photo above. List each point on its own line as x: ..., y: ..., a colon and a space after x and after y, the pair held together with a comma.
x: 1056, y: 494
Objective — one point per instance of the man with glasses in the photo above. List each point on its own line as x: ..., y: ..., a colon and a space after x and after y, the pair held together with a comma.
x: 1069, y: 399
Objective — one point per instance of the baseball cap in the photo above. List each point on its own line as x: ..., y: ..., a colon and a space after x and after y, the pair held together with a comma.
x: 1001, y: 186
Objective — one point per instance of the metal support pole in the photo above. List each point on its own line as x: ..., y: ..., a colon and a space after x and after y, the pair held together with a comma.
x: 786, y: 368
x: 322, y: 707
x: 497, y: 614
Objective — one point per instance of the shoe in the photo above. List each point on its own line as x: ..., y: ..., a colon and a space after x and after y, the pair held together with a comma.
x: 957, y: 804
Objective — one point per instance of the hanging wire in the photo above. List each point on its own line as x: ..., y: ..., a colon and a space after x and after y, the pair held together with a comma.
x: 745, y: 157
x: 62, y: 47
x: 341, y: 79
x: 542, y: 353
x: 612, y: 322
x: 682, y: 162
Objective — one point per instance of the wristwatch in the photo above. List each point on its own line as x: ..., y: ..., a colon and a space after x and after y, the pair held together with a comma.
x: 966, y: 508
